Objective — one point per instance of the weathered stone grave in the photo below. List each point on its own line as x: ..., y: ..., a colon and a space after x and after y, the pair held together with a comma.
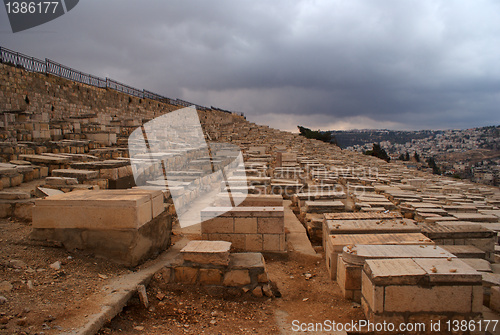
x: 250, y: 200
x: 463, y: 234
x: 420, y: 289
x: 329, y: 225
x: 210, y: 263
x: 350, y: 262
x: 337, y: 227
x: 125, y: 226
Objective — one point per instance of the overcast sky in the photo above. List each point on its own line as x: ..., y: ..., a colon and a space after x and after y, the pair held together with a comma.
x: 328, y: 64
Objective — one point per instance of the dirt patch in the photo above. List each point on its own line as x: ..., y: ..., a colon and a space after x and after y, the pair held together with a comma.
x: 41, y: 298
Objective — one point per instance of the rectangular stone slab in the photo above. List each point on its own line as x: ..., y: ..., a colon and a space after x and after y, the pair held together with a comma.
x: 320, y: 195
x: 421, y: 205
x: 100, y: 198
x: 250, y: 200
x: 362, y: 252
x: 242, y: 212
x: 465, y: 251
x: 382, y: 204
x: 80, y: 175
x: 42, y: 159
x: 371, y: 197
x: 372, y: 226
x: 100, y: 210
x: 207, y: 252
x: 461, y: 209
x: 362, y: 216
x: 476, y: 217
x: 454, y: 231
x: 324, y: 206
x: 449, y: 271
x: 480, y: 265
x: 493, y: 226
x: 402, y: 271
x: 246, y: 260
x: 432, y: 211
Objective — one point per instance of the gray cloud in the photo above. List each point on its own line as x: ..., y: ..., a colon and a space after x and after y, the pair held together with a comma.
x: 402, y: 64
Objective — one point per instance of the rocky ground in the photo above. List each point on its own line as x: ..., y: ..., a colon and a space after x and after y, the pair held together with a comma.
x: 40, y: 283
x: 305, y: 294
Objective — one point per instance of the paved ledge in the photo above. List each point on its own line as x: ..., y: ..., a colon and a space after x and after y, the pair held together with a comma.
x: 297, y: 236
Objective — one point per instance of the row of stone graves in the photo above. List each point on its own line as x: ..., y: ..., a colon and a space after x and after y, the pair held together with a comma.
x: 408, y: 245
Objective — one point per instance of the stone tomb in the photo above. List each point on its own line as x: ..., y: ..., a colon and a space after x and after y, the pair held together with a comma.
x: 126, y: 226
x: 299, y: 199
x: 80, y: 175
x: 285, y: 187
x: 463, y: 234
x: 328, y: 227
x: 350, y: 262
x: 247, y: 228
x: 336, y: 243
x: 250, y: 200
x: 476, y: 217
x: 324, y: 206
x: 286, y: 159
x: 420, y: 289
x: 465, y: 251
x: 209, y: 263
x: 117, y: 172
x: 399, y: 226
x: 373, y: 200
x: 288, y: 173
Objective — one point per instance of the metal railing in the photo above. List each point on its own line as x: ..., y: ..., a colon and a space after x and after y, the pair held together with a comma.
x: 74, y: 75
x: 20, y: 60
x: 114, y: 85
x: 48, y: 66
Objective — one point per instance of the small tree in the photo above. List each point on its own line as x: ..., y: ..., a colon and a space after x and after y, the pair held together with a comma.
x: 432, y: 164
x: 378, y: 152
x: 324, y: 136
x: 417, y: 157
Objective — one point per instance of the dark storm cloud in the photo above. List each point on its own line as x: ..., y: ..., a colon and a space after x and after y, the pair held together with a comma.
x: 395, y: 64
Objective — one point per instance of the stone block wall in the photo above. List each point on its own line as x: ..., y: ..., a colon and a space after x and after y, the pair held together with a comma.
x: 31, y: 102
x: 60, y: 98
x: 246, y: 272
x: 247, y: 228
